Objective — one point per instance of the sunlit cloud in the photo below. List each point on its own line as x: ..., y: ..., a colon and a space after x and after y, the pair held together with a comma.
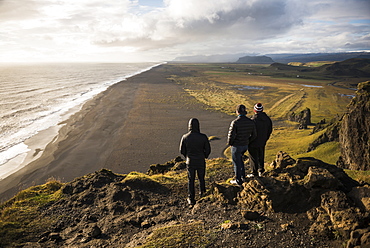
x: 110, y: 30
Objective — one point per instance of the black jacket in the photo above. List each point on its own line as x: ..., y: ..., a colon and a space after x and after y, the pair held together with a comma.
x: 264, y: 129
x: 194, y: 145
x: 241, y: 132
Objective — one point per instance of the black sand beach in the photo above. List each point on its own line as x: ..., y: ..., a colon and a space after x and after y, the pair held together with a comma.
x: 133, y: 124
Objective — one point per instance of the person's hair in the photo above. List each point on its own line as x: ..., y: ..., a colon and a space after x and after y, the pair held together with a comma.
x: 241, y: 109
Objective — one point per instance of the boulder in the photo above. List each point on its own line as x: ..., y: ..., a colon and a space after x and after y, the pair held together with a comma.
x: 282, y: 160
x: 225, y: 194
x: 312, y: 186
x: 361, y: 197
x: 320, y: 178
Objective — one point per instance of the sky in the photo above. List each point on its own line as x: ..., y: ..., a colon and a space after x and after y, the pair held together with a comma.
x: 156, y: 30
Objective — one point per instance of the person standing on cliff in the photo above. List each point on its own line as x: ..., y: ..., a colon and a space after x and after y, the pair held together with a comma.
x: 195, y: 147
x: 241, y: 132
x: 257, y: 147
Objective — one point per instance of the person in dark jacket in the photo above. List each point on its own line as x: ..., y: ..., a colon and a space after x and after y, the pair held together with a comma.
x: 195, y: 147
x: 257, y: 147
x: 241, y: 132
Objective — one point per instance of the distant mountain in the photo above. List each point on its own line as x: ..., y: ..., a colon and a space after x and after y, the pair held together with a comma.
x: 357, y: 67
x: 218, y: 58
x: 255, y: 60
x: 280, y: 58
x: 311, y: 57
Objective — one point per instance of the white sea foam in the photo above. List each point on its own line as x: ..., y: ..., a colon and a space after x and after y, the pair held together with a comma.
x: 36, y: 97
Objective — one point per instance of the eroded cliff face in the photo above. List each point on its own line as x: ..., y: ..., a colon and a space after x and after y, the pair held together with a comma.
x: 354, y: 134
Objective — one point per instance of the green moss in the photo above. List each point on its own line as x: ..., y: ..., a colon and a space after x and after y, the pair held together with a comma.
x: 19, y: 217
x: 359, y: 175
x: 328, y: 152
x: 182, y: 235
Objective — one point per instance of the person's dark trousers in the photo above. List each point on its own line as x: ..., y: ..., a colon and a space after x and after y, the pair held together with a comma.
x: 237, y: 153
x: 257, y: 158
x: 192, y: 171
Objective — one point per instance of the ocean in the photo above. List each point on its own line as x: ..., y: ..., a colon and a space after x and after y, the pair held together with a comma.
x: 35, y: 97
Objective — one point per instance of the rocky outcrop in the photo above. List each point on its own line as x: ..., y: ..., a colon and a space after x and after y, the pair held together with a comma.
x: 282, y: 160
x: 303, y: 202
x: 176, y: 164
x: 303, y: 118
x: 334, y: 203
x: 331, y: 134
x: 354, y: 134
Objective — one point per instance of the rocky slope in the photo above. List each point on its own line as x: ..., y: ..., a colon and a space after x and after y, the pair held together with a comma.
x: 304, y: 203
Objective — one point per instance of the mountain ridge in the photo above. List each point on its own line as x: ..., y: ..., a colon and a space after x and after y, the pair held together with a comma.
x: 280, y: 58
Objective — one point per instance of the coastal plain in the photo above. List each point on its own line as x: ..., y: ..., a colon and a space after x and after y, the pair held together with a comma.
x: 140, y: 121
x: 131, y: 125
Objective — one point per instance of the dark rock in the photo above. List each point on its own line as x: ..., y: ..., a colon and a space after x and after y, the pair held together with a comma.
x: 122, y: 195
x: 282, y: 160
x: 162, y: 168
x: 303, y: 118
x: 354, y: 132
x: 359, y: 238
x: 320, y: 178
x: 361, y: 197
x: 344, y: 218
x: 225, y: 194
x: 250, y: 215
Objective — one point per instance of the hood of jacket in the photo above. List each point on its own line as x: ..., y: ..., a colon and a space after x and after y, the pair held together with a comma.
x: 194, y: 125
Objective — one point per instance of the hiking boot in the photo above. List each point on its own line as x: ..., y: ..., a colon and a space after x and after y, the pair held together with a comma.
x: 251, y: 176
x: 234, y: 181
x: 202, y: 194
x: 191, y: 201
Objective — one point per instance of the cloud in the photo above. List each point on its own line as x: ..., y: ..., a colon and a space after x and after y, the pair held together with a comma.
x: 13, y: 10
x: 175, y: 27
x: 196, y: 21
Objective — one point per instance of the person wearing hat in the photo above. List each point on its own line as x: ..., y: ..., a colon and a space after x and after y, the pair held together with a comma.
x: 256, y: 148
x: 195, y: 147
x: 241, y: 132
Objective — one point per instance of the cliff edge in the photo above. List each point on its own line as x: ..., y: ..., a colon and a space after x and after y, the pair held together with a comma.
x: 354, y: 134
x: 303, y: 203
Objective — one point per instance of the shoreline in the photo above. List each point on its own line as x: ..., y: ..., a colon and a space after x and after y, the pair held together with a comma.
x: 131, y: 125
x: 33, y: 146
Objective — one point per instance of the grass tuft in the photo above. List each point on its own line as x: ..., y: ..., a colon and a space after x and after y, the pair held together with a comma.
x: 19, y: 217
x: 181, y: 235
